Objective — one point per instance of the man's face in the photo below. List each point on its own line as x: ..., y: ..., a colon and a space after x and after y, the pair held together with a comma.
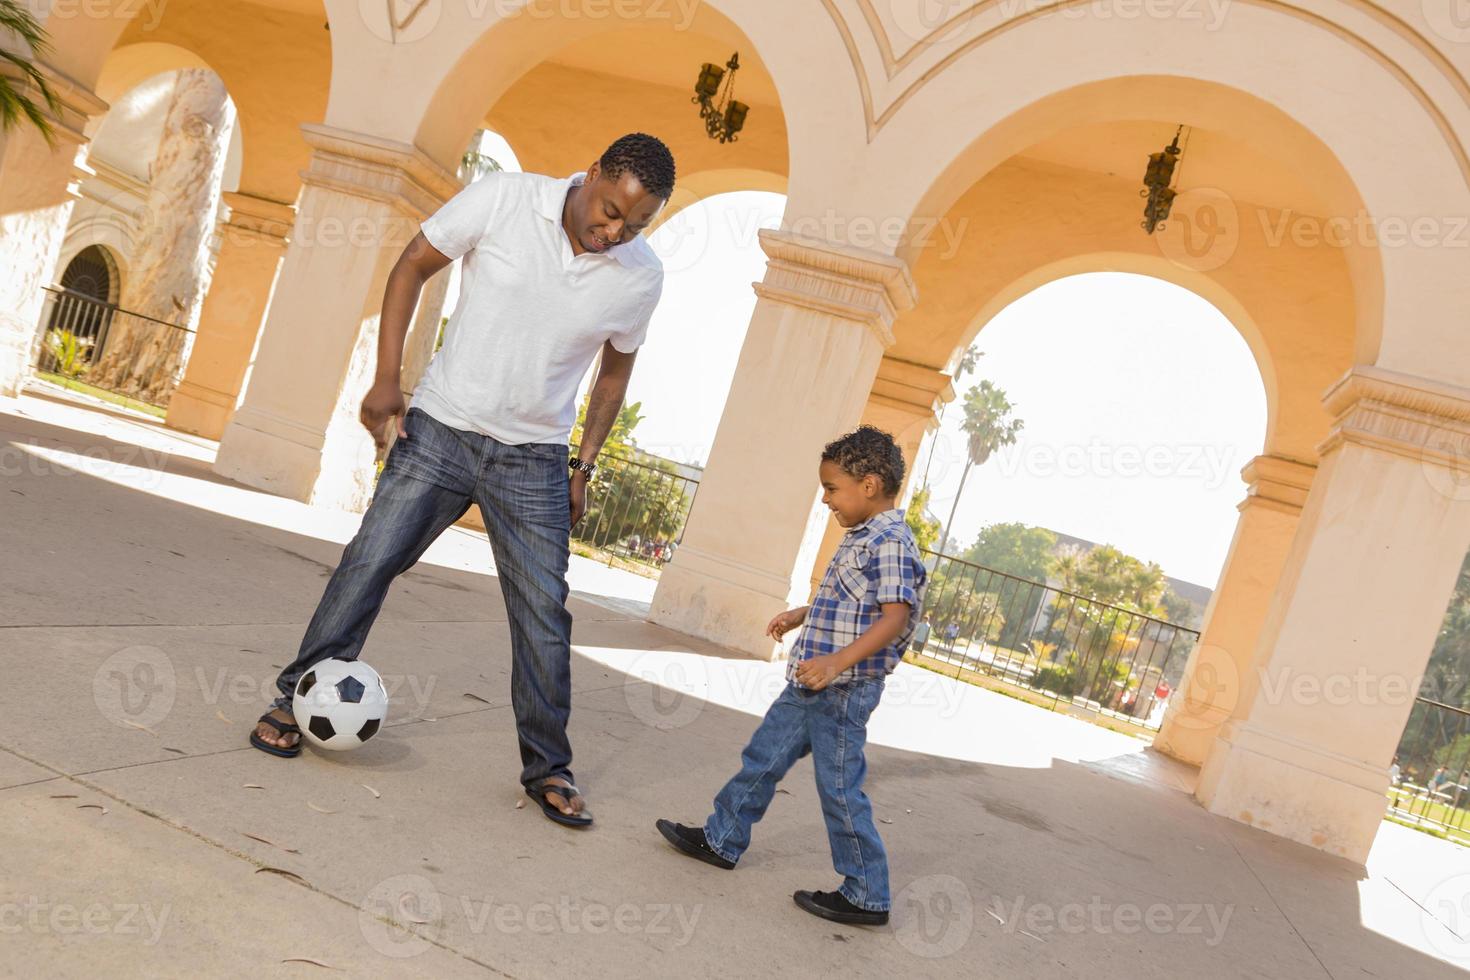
x: 611, y: 211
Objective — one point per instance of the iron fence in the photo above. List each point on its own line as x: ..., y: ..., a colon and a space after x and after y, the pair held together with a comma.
x: 1432, y: 788
x: 90, y: 342
x: 636, y: 509
x: 1077, y: 653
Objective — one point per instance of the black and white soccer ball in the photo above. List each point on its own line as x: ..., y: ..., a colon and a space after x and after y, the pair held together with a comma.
x: 340, y: 704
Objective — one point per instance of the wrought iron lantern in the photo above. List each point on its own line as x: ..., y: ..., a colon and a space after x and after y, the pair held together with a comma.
x: 723, y: 116
x: 1156, y: 187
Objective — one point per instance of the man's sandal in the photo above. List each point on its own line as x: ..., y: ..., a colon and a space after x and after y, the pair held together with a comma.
x: 537, y: 790
x: 285, y: 728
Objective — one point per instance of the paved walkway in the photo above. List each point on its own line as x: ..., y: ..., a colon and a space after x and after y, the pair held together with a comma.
x: 145, y: 606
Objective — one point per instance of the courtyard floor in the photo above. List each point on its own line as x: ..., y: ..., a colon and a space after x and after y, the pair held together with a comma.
x: 146, y: 605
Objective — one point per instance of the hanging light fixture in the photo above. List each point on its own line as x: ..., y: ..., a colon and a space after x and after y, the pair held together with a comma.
x: 723, y: 116
x: 1156, y: 182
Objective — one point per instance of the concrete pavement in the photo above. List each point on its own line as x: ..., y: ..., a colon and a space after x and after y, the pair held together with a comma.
x: 145, y: 606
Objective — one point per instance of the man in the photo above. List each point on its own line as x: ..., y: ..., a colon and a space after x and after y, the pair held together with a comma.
x: 921, y: 635
x: 554, y: 273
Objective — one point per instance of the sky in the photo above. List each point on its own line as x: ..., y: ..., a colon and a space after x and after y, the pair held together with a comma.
x: 1140, y: 401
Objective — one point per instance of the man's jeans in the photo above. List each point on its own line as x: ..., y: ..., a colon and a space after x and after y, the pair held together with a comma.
x: 831, y: 724
x: 428, y: 483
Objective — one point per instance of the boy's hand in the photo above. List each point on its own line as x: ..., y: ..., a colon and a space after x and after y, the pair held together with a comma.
x: 818, y: 672
x: 785, y: 622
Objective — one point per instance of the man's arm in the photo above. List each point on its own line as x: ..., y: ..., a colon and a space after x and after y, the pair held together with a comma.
x: 604, y: 402
x: 383, y: 403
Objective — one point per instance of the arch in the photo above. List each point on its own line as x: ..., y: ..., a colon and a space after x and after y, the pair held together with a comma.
x: 1244, y: 80
x: 434, y: 89
x: 704, y: 184
x: 1293, y: 305
x: 276, y: 69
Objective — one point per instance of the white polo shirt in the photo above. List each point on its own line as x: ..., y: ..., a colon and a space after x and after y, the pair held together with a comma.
x: 531, y: 314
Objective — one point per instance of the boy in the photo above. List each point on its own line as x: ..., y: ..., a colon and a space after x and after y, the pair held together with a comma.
x: 856, y: 631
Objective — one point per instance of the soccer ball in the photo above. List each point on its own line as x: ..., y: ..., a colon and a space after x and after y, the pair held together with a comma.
x: 339, y: 704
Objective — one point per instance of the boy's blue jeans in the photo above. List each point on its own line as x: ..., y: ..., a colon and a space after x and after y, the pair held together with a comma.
x: 428, y: 483
x: 831, y: 724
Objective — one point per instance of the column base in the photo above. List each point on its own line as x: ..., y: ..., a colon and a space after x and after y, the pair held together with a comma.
x: 285, y: 458
x: 1189, y: 741
x: 719, y: 601
x: 200, y: 411
x: 1294, y: 790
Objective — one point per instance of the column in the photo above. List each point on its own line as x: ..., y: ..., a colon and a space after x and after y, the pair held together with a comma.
x: 296, y: 432
x: 822, y: 321
x: 1352, y: 623
x: 38, y: 187
x: 904, y: 402
x: 1210, y: 691
x: 253, y: 241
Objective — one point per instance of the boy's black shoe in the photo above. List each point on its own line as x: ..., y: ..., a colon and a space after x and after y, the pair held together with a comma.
x: 691, y: 841
x: 832, y: 905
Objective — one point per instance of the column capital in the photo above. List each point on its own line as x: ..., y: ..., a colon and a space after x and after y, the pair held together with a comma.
x: 261, y: 219
x: 78, y: 103
x: 1277, y: 482
x: 912, y: 387
x: 360, y: 165
x: 839, y: 280
x: 1425, y: 420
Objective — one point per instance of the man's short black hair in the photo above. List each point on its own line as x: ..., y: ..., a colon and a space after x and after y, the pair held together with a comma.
x: 868, y: 450
x: 643, y: 156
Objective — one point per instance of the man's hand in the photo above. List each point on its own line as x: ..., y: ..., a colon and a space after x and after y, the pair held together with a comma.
x: 818, y: 672
x: 785, y: 622
x: 382, y: 406
x: 577, y: 495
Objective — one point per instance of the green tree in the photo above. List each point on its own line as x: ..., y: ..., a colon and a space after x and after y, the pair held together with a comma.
x: 924, y: 527
x: 1180, y: 610
x: 15, y: 104
x: 620, y: 441
x: 1014, y: 548
x: 988, y: 426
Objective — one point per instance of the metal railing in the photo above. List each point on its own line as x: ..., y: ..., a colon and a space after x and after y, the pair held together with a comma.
x: 636, y: 509
x: 1079, y: 654
x: 1433, y: 788
x: 87, y: 341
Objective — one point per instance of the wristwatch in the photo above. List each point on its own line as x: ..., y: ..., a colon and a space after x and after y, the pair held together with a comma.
x: 587, y: 468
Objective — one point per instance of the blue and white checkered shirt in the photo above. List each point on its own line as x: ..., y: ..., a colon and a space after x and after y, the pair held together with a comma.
x: 878, y: 561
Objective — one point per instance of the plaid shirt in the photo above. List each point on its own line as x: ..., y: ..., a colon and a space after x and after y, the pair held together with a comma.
x: 878, y: 561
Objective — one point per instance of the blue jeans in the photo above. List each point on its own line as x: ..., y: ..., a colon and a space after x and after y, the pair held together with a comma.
x: 831, y: 724
x: 428, y: 483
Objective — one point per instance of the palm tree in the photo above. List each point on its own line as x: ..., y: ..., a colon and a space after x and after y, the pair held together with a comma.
x: 989, y: 426
x: 15, y: 103
x: 968, y: 360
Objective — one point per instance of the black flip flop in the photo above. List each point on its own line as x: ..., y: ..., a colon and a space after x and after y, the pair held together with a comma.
x: 285, y: 728
x: 537, y: 791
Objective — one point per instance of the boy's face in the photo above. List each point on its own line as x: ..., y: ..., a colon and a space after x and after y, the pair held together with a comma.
x: 852, y: 500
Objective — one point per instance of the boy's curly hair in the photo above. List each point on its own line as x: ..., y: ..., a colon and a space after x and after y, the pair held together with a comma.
x: 868, y: 450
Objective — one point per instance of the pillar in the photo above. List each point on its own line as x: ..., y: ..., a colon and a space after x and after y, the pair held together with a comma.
x: 296, y: 432
x: 904, y: 402
x: 1353, y: 621
x: 38, y: 187
x: 253, y: 241
x: 1276, y: 490
x: 823, y: 318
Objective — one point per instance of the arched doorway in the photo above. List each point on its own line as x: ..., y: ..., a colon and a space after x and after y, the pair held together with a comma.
x: 81, y: 311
